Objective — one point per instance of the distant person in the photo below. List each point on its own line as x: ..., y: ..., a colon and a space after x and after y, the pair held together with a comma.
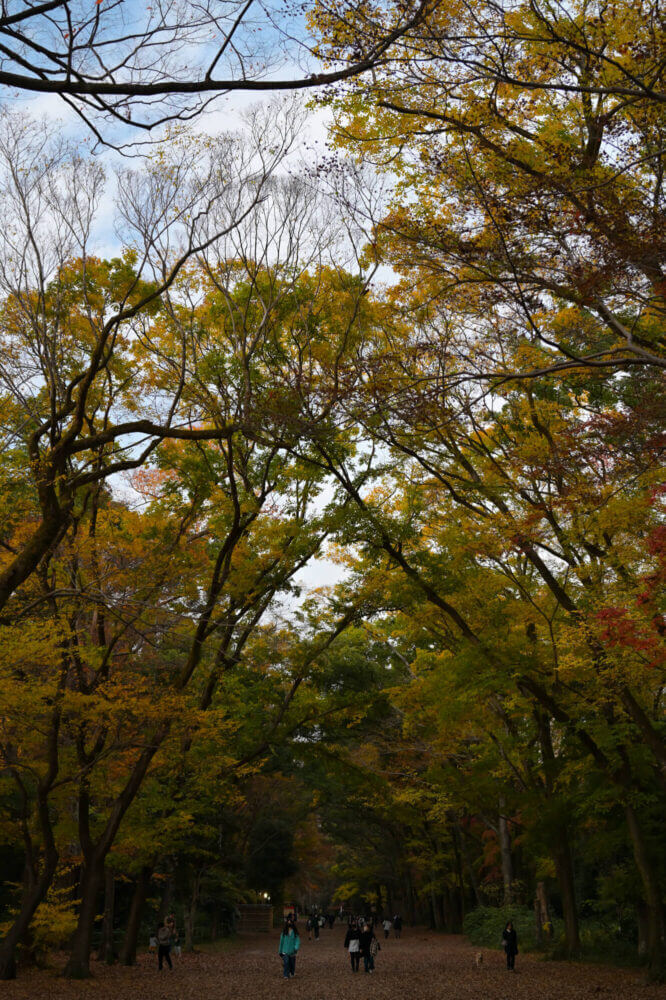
x: 152, y: 944
x: 387, y: 928
x: 375, y: 948
x: 510, y: 945
x: 331, y: 920
x: 290, y: 942
x: 397, y: 925
x: 163, y: 946
x: 366, y: 939
x: 353, y: 945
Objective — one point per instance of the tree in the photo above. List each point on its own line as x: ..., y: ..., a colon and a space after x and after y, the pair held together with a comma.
x: 527, y: 147
x: 231, y: 515
x: 167, y: 62
x: 472, y: 498
x: 69, y: 319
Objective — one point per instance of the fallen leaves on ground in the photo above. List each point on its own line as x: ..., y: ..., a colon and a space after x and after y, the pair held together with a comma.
x: 420, y: 966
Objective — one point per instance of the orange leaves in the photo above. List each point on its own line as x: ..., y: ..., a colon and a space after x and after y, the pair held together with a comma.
x: 149, y: 482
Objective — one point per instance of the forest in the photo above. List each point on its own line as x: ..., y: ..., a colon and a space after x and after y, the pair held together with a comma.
x: 332, y: 538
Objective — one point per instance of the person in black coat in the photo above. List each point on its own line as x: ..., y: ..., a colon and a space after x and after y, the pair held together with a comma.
x: 366, y: 939
x: 510, y: 945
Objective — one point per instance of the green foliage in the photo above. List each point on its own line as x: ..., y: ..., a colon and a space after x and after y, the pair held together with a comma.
x: 484, y: 925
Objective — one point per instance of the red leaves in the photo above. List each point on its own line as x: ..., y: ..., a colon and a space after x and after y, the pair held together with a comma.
x: 622, y: 630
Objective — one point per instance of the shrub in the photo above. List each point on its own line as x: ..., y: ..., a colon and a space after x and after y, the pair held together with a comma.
x: 484, y: 925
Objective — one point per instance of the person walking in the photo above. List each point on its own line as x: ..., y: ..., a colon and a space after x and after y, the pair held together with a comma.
x: 353, y: 945
x: 387, y: 928
x: 163, y: 946
x: 510, y: 945
x: 290, y: 942
x: 366, y: 938
x: 375, y: 948
x: 397, y: 925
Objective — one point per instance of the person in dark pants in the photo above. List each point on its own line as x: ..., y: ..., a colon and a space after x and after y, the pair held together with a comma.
x: 510, y: 945
x: 397, y: 925
x: 163, y: 946
x: 288, y: 949
x: 352, y: 943
x: 366, y: 939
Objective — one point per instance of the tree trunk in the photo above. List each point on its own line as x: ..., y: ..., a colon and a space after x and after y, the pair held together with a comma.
x: 44, y: 538
x: 410, y: 898
x: 78, y: 964
x: 505, y: 849
x: 106, y: 952
x: 449, y: 902
x: 461, y: 876
x: 622, y: 778
x: 655, y: 915
x: 565, y: 877
x: 36, y: 884
x: 431, y: 911
x: 435, y: 910
x: 128, y: 950
x: 191, y: 914
x: 643, y: 928
x: 544, y: 930
x: 33, y: 895
x: 479, y: 898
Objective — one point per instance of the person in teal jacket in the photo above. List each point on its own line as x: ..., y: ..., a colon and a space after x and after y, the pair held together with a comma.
x: 290, y: 942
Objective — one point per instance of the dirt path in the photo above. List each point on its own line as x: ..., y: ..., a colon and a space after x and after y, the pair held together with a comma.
x: 421, y: 966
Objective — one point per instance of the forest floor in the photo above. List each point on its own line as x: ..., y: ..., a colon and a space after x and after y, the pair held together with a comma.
x: 420, y: 966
